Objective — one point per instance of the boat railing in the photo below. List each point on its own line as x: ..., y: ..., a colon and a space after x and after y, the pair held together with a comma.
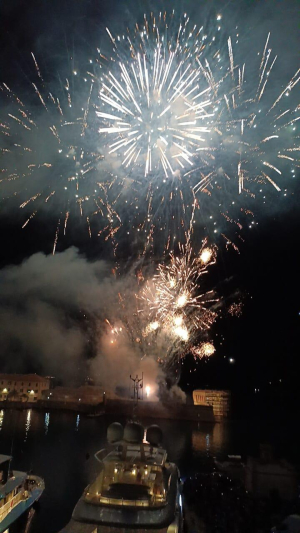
x: 99, y: 456
x: 156, y: 501
x: 8, y: 507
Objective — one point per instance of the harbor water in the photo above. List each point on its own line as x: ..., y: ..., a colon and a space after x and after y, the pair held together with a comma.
x: 59, y: 446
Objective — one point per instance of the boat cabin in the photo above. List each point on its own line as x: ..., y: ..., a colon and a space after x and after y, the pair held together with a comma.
x: 12, y: 486
x: 131, y: 475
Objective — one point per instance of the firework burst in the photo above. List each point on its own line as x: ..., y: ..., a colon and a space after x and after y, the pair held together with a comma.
x: 50, y: 162
x: 253, y: 132
x: 173, y: 303
x: 155, y: 106
x: 205, y: 349
x: 161, y: 85
x: 167, y: 127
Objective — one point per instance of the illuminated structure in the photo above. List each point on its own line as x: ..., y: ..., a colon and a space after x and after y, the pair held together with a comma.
x: 23, y: 387
x: 218, y: 399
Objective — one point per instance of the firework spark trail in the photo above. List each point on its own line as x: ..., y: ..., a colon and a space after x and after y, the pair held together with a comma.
x: 67, y: 179
x: 243, y: 127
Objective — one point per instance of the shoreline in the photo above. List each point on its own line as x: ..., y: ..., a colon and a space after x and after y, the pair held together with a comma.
x: 122, y: 407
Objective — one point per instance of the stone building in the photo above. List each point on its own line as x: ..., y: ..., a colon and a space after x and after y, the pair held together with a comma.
x: 22, y: 387
x: 86, y: 394
x: 218, y: 399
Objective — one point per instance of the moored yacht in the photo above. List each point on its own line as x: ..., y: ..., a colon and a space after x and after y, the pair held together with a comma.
x: 18, y: 492
x: 137, y: 489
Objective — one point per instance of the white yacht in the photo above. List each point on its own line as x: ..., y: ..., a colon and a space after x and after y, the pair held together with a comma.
x: 18, y: 492
x: 137, y: 489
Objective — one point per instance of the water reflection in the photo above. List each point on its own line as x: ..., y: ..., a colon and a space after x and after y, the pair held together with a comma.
x: 28, y: 423
x: 207, y: 443
x: 1, y: 418
x: 77, y: 422
x: 210, y: 440
x: 175, y: 439
x: 47, y: 421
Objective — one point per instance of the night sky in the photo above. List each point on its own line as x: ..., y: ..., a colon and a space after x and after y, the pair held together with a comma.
x: 264, y: 342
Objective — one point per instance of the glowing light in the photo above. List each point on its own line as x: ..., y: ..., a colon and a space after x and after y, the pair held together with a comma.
x: 154, y: 326
x: 147, y: 390
x: 182, y: 300
x: 182, y: 333
x: 205, y: 349
x: 206, y: 255
x: 178, y: 320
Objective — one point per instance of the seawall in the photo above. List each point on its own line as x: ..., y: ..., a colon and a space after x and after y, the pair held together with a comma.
x: 122, y: 407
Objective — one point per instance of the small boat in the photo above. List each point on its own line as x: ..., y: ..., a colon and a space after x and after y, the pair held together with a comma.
x: 18, y: 492
x: 137, y: 489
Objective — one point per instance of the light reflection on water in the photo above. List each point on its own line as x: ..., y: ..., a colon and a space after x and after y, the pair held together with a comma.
x: 214, y: 441
x: 47, y: 422
x: 28, y: 423
x: 1, y: 418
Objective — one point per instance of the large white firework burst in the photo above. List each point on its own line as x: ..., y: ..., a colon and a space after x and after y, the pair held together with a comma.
x: 155, y: 104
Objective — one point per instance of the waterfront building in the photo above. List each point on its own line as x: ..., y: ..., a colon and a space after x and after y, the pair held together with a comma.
x: 23, y: 387
x: 86, y: 394
x: 218, y: 399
